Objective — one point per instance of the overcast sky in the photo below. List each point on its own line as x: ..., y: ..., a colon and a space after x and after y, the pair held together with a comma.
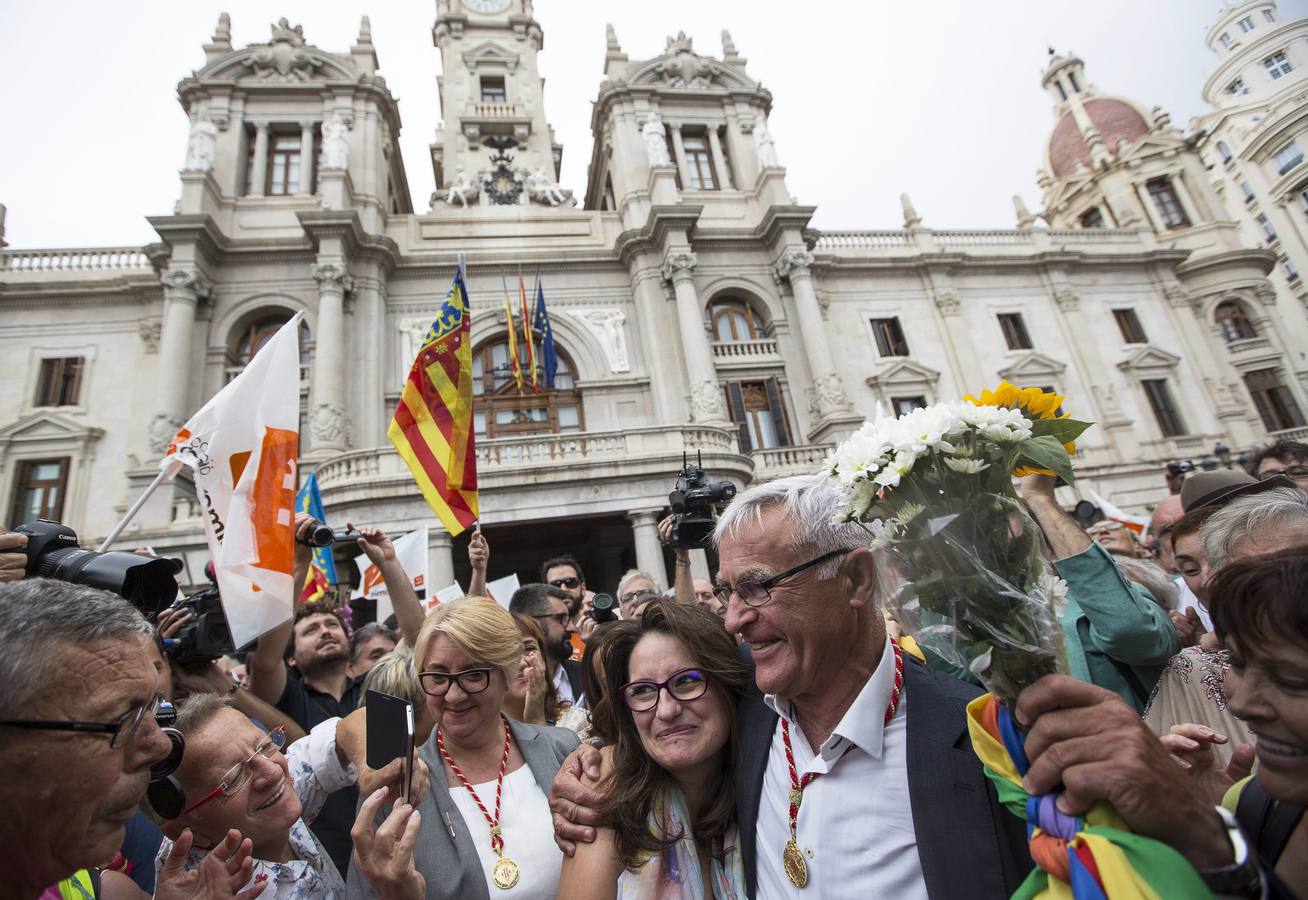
x: 871, y: 98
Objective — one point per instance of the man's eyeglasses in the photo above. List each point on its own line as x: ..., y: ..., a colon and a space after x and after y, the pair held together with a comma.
x: 569, y: 583
x: 470, y: 681
x: 122, y: 730
x: 1292, y: 471
x: 638, y: 597
x: 235, y: 778
x: 757, y: 593
x: 561, y: 618
x: 642, y: 696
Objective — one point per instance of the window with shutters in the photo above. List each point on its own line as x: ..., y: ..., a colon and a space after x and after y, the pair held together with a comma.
x: 500, y: 410
x: 1164, y: 408
x: 39, y: 488
x: 1233, y: 322
x: 1014, y: 329
x: 60, y: 381
x: 730, y: 320
x: 1129, y: 324
x: 889, y: 337
x: 1273, y: 400
x: 759, y: 413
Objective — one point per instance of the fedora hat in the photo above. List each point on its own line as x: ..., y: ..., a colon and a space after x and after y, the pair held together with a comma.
x: 1213, y: 488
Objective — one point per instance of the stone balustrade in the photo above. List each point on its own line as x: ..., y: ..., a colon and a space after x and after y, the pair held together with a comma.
x: 983, y: 238
x: 764, y: 350
x: 495, y: 110
x: 854, y: 240
x: 892, y: 243
x: 77, y: 259
x: 779, y: 462
x: 1248, y: 345
x: 1288, y: 434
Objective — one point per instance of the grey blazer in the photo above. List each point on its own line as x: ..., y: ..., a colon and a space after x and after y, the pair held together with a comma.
x: 450, y: 865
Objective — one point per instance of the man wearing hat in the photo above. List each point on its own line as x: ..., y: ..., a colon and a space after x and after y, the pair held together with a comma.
x: 1204, y: 489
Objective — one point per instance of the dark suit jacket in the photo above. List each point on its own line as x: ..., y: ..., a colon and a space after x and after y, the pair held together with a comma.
x: 969, y: 845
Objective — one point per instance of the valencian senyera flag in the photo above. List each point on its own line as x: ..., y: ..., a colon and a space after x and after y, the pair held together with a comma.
x: 513, y: 338
x: 432, y: 429
x: 322, y: 567
x: 530, y: 355
x: 242, y: 448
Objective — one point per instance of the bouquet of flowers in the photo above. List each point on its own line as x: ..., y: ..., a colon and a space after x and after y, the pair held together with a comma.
x: 934, y: 489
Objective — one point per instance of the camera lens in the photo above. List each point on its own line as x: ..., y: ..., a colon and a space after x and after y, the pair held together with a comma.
x: 146, y: 582
x: 318, y: 536
x: 168, y: 765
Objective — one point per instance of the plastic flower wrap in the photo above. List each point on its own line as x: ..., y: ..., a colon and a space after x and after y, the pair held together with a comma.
x: 934, y: 489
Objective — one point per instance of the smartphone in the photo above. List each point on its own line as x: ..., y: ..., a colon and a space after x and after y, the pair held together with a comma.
x: 389, y: 721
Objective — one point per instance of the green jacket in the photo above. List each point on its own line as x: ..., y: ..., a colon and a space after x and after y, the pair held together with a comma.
x: 1116, y: 635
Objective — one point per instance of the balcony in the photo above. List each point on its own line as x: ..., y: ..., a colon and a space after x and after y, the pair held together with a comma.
x: 746, y: 353
x: 82, y: 259
x: 480, y: 119
x: 1243, y: 346
x: 1288, y: 434
x: 782, y: 462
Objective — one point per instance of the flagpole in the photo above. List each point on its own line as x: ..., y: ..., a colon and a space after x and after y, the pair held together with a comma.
x: 165, y: 474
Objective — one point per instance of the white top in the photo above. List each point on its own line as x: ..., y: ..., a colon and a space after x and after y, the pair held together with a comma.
x: 563, y: 687
x: 855, y: 823
x: 1187, y: 600
x: 525, y: 824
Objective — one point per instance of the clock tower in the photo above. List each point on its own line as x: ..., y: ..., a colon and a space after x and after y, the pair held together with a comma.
x: 493, y: 143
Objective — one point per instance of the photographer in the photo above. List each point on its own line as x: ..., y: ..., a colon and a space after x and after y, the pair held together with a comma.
x: 683, y: 586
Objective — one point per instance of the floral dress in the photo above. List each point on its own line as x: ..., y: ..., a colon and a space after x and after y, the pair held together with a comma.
x: 1192, y: 689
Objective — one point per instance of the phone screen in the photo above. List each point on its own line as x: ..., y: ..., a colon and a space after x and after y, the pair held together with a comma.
x: 390, y: 728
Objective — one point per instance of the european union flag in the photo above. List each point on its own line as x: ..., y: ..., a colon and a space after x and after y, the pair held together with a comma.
x: 549, y: 357
x: 309, y: 500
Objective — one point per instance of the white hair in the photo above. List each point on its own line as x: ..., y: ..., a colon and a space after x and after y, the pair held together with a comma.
x: 1151, y: 576
x: 813, y: 506
x: 1279, y: 509
x: 632, y: 575
x: 41, y: 616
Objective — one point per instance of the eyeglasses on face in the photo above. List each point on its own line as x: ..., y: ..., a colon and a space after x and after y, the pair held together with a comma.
x: 1295, y: 472
x: 685, y: 685
x: 470, y: 681
x: 122, y: 731
x: 641, y: 596
x: 559, y: 617
x: 757, y: 593
x: 235, y: 778
x: 569, y: 583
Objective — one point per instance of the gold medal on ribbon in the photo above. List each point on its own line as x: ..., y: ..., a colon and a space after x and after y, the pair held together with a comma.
x: 793, y: 862
x: 506, y: 873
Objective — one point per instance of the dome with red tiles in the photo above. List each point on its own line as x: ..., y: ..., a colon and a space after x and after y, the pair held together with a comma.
x: 1116, y: 122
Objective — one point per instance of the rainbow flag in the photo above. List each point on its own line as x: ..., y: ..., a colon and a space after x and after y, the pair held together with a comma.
x: 432, y: 429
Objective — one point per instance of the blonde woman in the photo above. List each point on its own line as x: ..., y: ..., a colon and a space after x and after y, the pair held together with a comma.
x: 484, y: 828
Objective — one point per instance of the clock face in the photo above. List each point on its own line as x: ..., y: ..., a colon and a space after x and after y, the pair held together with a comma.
x: 487, y: 6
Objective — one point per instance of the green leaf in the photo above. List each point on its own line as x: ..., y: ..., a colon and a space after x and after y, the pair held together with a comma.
x: 1046, y: 452
x: 1064, y: 430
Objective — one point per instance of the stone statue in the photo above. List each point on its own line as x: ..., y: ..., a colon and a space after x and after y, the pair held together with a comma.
x: 335, y: 143
x: 607, y: 325
x: 461, y: 188
x: 706, y: 402
x: 656, y: 141
x: 829, y: 393
x: 541, y: 189
x: 766, y: 146
x: 200, y: 146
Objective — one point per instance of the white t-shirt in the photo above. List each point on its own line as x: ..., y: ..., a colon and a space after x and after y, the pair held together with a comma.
x: 527, y: 829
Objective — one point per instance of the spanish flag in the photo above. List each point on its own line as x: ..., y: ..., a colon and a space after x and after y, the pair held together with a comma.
x: 432, y: 429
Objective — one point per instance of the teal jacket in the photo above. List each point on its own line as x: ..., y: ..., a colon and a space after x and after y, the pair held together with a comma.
x: 1116, y: 635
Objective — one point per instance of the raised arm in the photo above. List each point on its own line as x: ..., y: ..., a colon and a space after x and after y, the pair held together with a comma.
x: 266, y: 661
x: 683, y: 585
x: 479, y: 559
x: 408, y: 608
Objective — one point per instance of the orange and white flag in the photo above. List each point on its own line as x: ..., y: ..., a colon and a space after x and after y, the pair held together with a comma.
x: 242, y: 448
x: 411, y: 551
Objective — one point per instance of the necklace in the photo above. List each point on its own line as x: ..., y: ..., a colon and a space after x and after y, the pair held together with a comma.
x: 506, y: 871
x: 792, y: 860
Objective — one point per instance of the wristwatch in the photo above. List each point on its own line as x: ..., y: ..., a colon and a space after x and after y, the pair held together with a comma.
x: 1242, y: 878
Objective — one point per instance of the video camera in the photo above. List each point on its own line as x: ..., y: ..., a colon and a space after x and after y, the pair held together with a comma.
x: 206, y: 636
x: 147, y: 582
x: 695, y: 501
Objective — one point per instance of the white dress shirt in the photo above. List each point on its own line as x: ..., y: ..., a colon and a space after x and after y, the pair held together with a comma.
x: 563, y: 687
x: 855, y: 823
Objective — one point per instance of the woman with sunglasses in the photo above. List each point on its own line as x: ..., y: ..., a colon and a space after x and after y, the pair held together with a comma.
x: 484, y: 827
x: 673, y: 681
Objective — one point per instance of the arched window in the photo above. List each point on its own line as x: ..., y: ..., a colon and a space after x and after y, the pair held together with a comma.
x: 251, y: 337
x: 1234, y: 321
x: 500, y: 411
x: 732, y: 320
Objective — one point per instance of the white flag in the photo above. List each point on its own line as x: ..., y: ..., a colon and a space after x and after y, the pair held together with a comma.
x: 411, y: 551
x: 501, y: 590
x: 445, y: 595
x: 242, y: 448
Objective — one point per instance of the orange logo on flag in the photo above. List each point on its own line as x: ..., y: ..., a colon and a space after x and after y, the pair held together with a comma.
x: 371, y: 578
x: 273, y: 500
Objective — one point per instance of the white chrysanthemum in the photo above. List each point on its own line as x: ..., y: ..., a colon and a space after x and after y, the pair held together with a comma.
x: 1055, y: 589
x: 883, y: 533
x: 908, y: 512
x: 966, y: 466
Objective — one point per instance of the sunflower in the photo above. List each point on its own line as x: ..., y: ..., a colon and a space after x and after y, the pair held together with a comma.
x: 1035, y: 403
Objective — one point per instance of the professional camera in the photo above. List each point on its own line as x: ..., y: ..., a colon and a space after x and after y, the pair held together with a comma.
x: 146, y: 582
x: 603, y: 608
x: 165, y: 794
x: 207, y: 636
x: 694, y: 503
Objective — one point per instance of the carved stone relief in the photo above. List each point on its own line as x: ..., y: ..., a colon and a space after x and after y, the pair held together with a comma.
x: 706, y: 402
x: 163, y: 428
x: 607, y: 326
x: 328, y: 423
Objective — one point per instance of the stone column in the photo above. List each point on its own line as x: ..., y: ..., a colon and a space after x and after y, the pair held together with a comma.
x: 705, y: 395
x: 183, y: 291
x: 306, y: 159
x: 828, y: 391
x: 666, y: 374
x: 327, y: 419
x: 259, y: 171
x: 440, y: 559
x: 649, y: 552
x: 679, y: 151
x: 719, y: 160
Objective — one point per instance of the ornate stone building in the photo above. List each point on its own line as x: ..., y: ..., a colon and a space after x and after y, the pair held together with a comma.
x: 695, y: 308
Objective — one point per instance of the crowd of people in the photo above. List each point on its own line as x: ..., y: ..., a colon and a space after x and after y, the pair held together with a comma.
x: 770, y: 733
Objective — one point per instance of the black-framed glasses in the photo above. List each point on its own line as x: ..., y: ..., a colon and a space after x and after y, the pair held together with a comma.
x: 685, y: 685
x: 470, y: 681
x: 757, y: 593
x: 638, y: 597
x: 122, y: 731
x: 560, y: 617
x: 1291, y: 471
x: 235, y: 778
x: 569, y: 583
